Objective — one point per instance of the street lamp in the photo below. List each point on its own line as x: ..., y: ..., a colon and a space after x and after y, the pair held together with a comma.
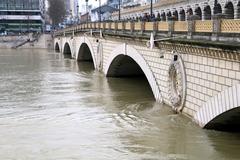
x: 86, y: 5
x: 151, y: 10
x: 77, y: 14
x: 119, y: 11
x: 28, y: 24
x: 87, y: 9
x: 99, y: 8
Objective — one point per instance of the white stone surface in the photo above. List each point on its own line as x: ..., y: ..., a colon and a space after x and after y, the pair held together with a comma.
x: 212, y: 82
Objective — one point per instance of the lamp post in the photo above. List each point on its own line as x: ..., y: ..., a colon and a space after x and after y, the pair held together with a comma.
x: 151, y: 10
x: 119, y: 11
x: 87, y: 9
x: 28, y: 24
x: 77, y: 14
x: 6, y: 18
x: 99, y: 10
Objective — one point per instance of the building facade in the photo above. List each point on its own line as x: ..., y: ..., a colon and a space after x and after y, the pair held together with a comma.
x: 105, y: 14
x: 21, y: 15
x: 135, y: 3
x: 72, y: 8
x: 113, y: 3
x: 182, y: 10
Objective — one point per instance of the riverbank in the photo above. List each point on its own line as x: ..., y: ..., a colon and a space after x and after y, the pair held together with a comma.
x: 43, y: 41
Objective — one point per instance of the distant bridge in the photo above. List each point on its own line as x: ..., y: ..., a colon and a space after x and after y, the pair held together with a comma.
x: 182, y: 10
x: 194, y: 66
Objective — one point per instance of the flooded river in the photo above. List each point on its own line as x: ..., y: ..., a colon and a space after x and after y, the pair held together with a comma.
x: 53, y: 108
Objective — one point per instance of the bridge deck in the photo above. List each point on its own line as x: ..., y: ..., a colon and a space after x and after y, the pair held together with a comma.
x: 197, y: 32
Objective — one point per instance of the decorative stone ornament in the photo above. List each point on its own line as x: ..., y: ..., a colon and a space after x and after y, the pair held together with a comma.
x: 100, y: 56
x: 151, y: 41
x: 177, y: 83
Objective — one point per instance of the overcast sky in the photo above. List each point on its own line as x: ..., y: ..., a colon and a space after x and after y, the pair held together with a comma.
x: 91, y: 2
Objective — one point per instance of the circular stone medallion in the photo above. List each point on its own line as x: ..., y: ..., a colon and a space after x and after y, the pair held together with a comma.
x: 177, y: 83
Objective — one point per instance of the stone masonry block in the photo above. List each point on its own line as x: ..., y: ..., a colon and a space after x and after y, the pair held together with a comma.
x: 221, y: 80
x: 199, y: 60
x: 228, y: 65
x: 204, y: 61
x: 210, y: 62
x: 216, y: 62
x: 236, y: 66
x: 224, y: 72
x: 218, y: 71
x: 232, y: 74
x: 222, y: 64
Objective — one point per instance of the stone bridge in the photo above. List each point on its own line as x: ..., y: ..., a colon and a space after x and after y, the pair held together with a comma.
x: 181, y: 10
x: 198, y: 78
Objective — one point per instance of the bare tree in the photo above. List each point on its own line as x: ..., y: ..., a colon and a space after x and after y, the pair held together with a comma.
x: 57, y: 11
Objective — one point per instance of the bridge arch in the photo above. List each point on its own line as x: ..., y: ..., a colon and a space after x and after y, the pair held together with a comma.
x: 189, y: 13
x: 163, y: 16
x: 229, y: 10
x: 198, y: 12
x: 169, y: 15
x: 182, y: 16
x: 67, y: 50
x: 85, y: 51
x: 175, y: 15
x: 221, y: 112
x: 217, y: 9
x: 57, y: 47
x: 134, y: 64
x: 238, y: 10
x: 207, y: 13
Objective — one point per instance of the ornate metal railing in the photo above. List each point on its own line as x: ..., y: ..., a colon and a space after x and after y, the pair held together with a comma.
x: 163, y: 26
x: 203, y: 26
x: 230, y: 26
x: 180, y: 26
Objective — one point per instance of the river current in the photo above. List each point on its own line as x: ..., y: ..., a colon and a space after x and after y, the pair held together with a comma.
x: 54, y: 108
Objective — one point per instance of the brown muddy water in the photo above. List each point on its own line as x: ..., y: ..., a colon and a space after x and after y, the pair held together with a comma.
x: 53, y: 108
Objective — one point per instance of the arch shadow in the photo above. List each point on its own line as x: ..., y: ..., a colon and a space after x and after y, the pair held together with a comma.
x: 163, y: 16
x: 189, y: 13
x: 85, y: 56
x: 67, y: 50
x: 84, y: 53
x: 57, y: 48
x: 169, y: 15
x: 221, y: 112
x: 217, y: 9
x: 207, y: 13
x: 198, y: 12
x: 229, y: 10
x: 125, y: 61
x: 175, y: 15
x: 124, y: 66
x: 182, y: 16
x: 227, y: 121
x: 238, y: 10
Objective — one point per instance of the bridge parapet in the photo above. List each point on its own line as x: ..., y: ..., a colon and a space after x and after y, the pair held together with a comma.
x: 213, y: 30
